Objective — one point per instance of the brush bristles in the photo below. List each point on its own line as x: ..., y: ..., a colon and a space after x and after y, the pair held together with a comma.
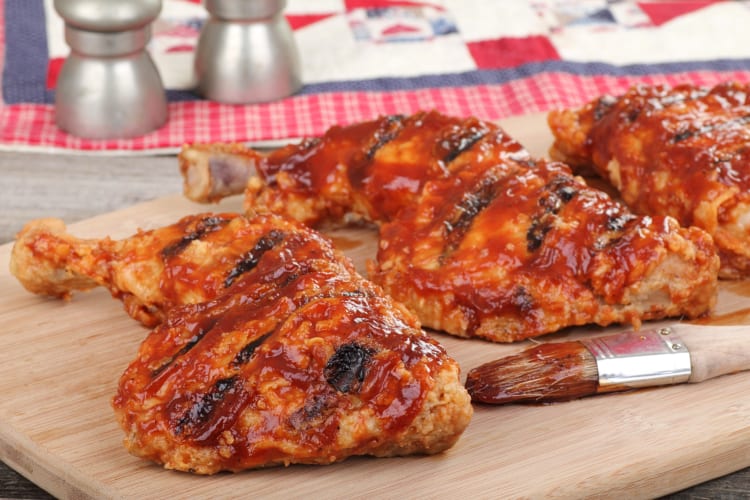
x: 543, y: 373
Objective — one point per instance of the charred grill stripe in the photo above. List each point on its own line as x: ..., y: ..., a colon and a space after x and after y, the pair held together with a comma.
x: 204, y: 406
x: 558, y: 192
x: 388, y: 130
x: 292, y: 277
x: 333, y: 295
x: 202, y: 331
x: 633, y: 115
x: 314, y: 412
x: 466, y: 210
x: 347, y: 368
x: 566, y: 193
x: 681, y: 136
x: 461, y: 143
x: 617, y: 223
x: 251, y: 258
x: 203, y: 227
x: 522, y: 299
x: 709, y: 127
x: 247, y: 352
x: 536, y: 233
x: 361, y: 162
x: 471, y: 205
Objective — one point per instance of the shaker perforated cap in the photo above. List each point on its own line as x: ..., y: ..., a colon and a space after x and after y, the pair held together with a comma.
x: 108, y: 15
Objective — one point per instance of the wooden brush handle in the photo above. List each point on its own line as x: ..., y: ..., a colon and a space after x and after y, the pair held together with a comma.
x: 715, y: 350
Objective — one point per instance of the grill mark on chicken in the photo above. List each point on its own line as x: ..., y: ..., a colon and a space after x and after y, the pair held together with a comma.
x: 472, y: 203
x: 205, y: 226
x: 618, y: 222
x: 347, y: 368
x: 203, y: 407
x: 388, y: 129
x: 314, y: 412
x: 616, y: 225
x: 536, y: 233
x: 251, y: 258
x: 462, y: 141
x: 523, y: 300
x: 246, y: 354
x: 559, y: 191
x: 710, y: 127
x: 202, y: 331
x: 633, y: 114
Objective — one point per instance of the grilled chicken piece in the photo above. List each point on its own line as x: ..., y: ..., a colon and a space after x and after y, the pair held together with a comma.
x: 188, y: 262
x: 270, y: 350
x: 367, y: 171
x: 301, y: 366
x: 509, y: 251
x: 480, y: 239
x: 679, y: 151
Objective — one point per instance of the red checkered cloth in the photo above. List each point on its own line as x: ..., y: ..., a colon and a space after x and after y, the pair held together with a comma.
x: 510, y: 83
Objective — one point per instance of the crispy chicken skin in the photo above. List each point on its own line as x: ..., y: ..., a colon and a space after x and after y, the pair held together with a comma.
x: 270, y: 349
x: 679, y: 151
x: 480, y: 239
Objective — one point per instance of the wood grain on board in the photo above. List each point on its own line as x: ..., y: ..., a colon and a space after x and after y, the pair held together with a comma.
x: 61, y: 362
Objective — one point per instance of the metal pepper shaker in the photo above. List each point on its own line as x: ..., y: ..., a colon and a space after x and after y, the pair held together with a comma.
x: 109, y: 86
x: 246, y: 52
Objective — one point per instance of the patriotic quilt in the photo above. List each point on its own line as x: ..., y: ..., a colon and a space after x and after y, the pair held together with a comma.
x: 364, y: 58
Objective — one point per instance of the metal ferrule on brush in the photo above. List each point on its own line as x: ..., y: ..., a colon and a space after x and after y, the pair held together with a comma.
x: 639, y: 359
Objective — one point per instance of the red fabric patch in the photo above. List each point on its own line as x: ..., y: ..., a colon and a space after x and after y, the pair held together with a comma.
x: 381, y: 4
x: 663, y: 12
x: 181, y: 48
x: 398, y: 29
x: 53, y: 69
x: 300, y: 21
x: 511, y: 52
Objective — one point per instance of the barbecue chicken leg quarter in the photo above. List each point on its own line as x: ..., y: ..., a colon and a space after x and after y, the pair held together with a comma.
x: 191, y: 261
x: 270, y: 348
x: 681, y: 151
x: 476, y: 236
x: 298, y: 360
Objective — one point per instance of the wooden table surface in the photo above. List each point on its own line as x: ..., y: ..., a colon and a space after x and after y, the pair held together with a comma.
x: 75, y: 187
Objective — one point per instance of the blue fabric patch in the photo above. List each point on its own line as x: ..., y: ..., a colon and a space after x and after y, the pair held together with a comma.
x: 26, y: 59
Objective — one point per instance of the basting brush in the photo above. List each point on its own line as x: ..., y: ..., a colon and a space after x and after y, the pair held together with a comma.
x: 560, y: 371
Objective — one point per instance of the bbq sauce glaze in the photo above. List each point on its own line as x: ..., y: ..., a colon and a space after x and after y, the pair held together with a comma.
x: 469, y: 220
x: 680, y: 149
x: 295, y: 344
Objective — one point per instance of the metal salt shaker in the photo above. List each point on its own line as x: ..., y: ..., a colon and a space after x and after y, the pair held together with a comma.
x: 109, y: 86
x: 246, y: 52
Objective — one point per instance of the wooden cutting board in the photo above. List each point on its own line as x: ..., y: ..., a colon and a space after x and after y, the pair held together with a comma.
x: 61, y: 362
